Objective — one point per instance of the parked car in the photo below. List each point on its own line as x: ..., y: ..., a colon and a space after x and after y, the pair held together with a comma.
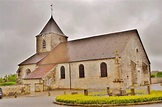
x: 1, y: 94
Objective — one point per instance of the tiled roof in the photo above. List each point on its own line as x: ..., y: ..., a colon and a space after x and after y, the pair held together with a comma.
x: 51, y: 27
x: 34, y: 59
x: 98, y: 47
x: 39, y: 72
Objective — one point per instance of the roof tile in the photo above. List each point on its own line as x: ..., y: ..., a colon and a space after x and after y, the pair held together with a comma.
x: 39, y: 72
x: 34, y: 59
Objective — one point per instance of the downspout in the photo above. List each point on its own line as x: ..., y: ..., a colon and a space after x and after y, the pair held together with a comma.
x: 70, y: 74
x: 150, y: 73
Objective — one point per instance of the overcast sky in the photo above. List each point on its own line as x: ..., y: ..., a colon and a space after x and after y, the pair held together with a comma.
x: 22, y: 20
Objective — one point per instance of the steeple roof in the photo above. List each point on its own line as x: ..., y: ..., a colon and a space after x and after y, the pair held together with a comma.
x: 51, y: 27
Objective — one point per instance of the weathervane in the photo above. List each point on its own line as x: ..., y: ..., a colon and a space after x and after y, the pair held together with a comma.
x: 51, y: 10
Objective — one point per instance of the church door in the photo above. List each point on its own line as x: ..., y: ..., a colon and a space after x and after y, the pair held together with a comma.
x: 134, y: 72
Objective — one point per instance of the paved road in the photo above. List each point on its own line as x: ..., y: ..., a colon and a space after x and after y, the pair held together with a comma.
x: 43, y: 101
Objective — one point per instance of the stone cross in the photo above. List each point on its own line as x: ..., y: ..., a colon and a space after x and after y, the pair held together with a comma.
x: 51, y: 10
x: 117, y: 64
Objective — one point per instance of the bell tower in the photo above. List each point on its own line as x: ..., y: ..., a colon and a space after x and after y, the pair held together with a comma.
x: 50, y: 36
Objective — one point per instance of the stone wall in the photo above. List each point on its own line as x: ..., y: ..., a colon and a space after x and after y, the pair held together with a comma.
x: 34, y: 84
x: 93, y: 77
x: 134, y: 52
x: 156, y: 80
x: 15, y: 89
x: 51, y: 39
x: 39, y: 87
x: 23, y: 73
x: 62, y: 83
x: 92, y: 74
x: 23, y: 69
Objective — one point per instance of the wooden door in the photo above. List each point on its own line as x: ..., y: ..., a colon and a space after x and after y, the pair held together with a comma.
x: 134, y: 72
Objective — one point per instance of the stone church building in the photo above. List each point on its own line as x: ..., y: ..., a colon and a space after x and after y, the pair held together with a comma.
x: 95, y: 62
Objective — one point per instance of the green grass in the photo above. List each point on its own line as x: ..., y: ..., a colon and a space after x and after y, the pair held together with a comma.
x: 81, y: 99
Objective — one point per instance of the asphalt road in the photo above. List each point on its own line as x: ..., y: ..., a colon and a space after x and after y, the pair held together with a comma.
x: 44, y: 101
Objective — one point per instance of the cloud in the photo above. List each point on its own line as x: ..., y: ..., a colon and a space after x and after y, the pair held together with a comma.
x: 21, y: 21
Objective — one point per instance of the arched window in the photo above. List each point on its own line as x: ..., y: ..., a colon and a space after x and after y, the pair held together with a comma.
x: 62, y: 72
x: 103, y: 68
x: 81, y: 71
x: 44, y: 44
x: 28, y: 71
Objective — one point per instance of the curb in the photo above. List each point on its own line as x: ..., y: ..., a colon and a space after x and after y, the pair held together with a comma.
x: 106, y: 105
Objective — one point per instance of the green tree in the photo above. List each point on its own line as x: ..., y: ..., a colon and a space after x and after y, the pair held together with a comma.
x: 12, y: 78
x: 9, y: 78
x: 1, y: 80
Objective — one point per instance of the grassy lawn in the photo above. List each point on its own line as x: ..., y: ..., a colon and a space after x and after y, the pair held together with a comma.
x: 81, y: 99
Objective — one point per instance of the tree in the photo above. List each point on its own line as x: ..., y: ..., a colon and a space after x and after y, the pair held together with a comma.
x: 8, y: 78
x: 1, y: 80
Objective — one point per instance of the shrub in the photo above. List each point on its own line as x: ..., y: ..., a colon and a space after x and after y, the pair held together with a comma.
x: 7, y: 83
x: 159, y: 74
x: 153, y: 75
x: 81, y: 99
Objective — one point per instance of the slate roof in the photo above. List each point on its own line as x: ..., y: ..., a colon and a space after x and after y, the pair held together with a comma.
x: 51, y: 27
x: 96, y: 47
x: 39, y: 72
x: 34, y: 59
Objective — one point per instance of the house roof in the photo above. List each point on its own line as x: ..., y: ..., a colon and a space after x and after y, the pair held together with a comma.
x: 51, y: 27
x: 34, y: 59
x: 96, y: 47
x: 39, y: 72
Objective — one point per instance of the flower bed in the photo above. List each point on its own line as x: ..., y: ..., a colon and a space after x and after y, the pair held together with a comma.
x: 113, y: 100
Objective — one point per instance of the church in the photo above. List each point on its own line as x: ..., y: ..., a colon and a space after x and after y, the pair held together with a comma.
x: 112, y: 60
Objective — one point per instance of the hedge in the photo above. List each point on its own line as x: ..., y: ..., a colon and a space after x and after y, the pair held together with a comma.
x: 159, y: 74
x: 153, y: 75
x: 81, y: 99
x: 7, y: 83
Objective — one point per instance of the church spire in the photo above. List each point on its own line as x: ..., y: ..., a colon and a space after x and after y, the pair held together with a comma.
x: 51, y: 26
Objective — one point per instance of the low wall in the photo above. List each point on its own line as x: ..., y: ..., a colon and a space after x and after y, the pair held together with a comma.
x: 38, y: 87
x: 156, y: 80
x: 15, y: 89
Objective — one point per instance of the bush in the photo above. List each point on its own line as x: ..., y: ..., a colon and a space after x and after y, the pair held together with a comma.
x: 7, y: 83
x: 81, y: 99
x: 159, y: 74
x: 153, y: 75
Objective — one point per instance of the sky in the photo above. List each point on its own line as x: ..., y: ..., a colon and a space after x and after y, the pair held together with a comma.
x: 22, y: 20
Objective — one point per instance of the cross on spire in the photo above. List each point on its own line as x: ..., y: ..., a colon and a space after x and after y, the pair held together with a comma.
x: 51, y: 10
